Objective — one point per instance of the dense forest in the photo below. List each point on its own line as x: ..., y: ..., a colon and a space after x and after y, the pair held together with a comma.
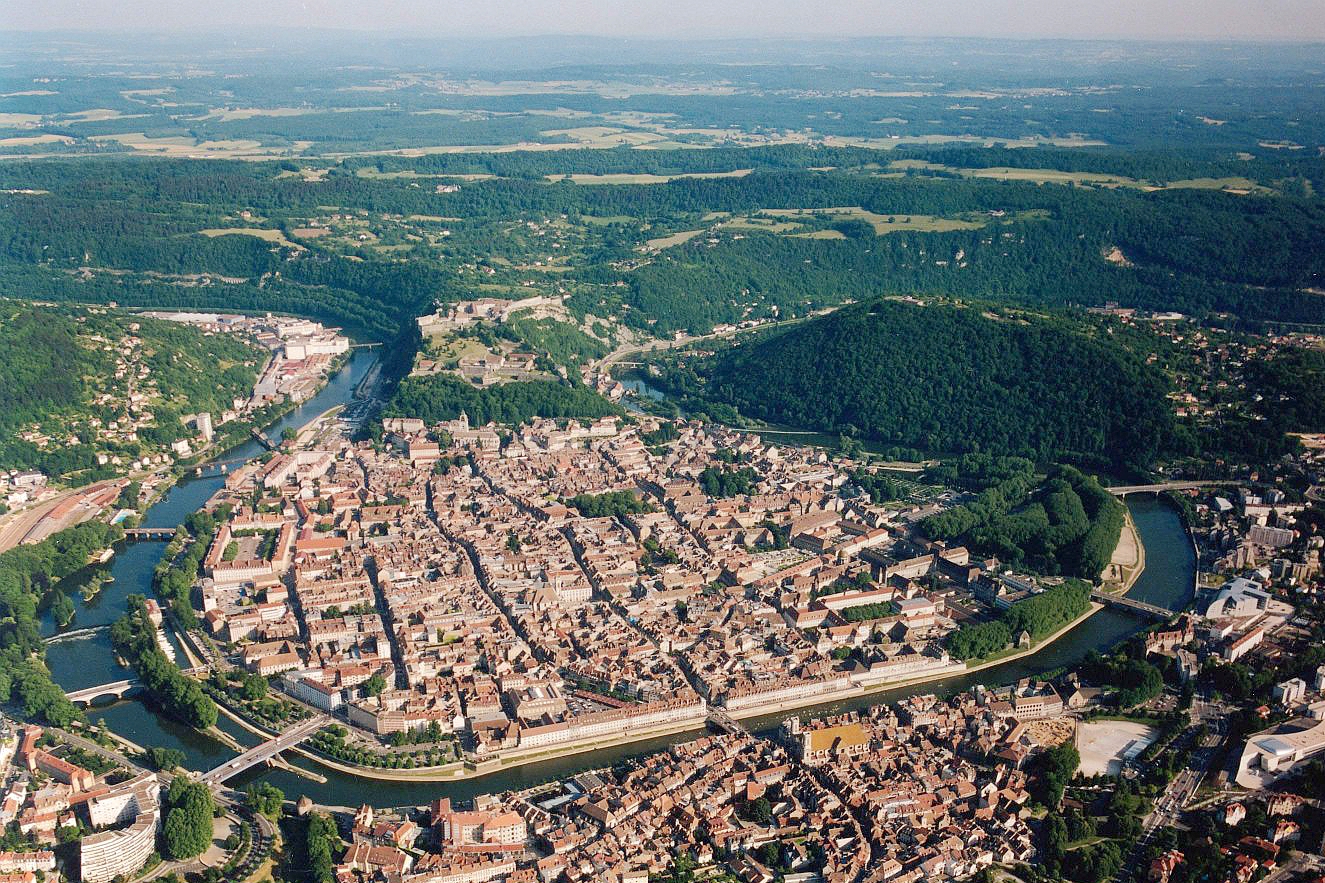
x: 1068, y: 525
x: 1290, y: 389
x: 444, y: 397
x: 98, y: 230
x: 949, y: 378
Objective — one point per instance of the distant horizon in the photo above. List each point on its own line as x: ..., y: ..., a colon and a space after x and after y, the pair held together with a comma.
x: 1178, y: 21
x: 230, y: 31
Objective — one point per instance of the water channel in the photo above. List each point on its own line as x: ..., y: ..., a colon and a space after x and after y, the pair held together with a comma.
x: 84, y: 661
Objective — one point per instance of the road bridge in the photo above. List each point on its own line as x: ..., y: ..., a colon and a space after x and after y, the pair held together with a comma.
x: 1123, y: 490
x: 1122, y: 602
x: 723, y: 721
x: 149, y: 533
x: 267, y: 751
x: 115, y: 690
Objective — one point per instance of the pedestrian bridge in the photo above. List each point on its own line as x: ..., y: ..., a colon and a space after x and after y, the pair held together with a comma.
x: 267, y: 751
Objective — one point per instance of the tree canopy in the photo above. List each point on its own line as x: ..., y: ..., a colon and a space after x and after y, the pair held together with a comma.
x: 950, y: 378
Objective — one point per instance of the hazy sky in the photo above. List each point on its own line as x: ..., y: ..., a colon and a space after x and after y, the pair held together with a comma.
x: 1147, y: 19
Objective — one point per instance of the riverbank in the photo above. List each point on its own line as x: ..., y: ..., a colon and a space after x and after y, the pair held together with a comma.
x: 1128, y: 561
x: 1020, y: 653
x: 461, y: 771
x: 465, y: 770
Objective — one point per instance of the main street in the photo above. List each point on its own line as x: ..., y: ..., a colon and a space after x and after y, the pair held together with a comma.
x: 1169, y: 806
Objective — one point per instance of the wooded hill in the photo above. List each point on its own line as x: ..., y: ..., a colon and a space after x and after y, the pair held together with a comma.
x: 62, y: 373
x: 952, y: 379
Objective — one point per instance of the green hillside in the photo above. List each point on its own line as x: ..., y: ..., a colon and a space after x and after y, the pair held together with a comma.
x: 952, y: 379
x: 80, y: 384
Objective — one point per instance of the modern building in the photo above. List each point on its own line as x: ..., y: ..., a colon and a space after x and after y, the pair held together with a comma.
x: 1272, y: 753
x: 1238, y: 598
x: 1290, y: 692
x: 106, y: 855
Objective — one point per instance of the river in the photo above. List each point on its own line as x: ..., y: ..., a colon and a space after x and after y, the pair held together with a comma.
x: 85, y: 661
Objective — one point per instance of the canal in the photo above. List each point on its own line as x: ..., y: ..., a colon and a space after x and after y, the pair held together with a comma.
x: 88, y: 660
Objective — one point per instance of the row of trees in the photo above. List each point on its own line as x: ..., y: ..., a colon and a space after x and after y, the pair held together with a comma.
x: 134, y: 638
x: 1038, y: 616
x: 175, y: 573
x: 29, y: 578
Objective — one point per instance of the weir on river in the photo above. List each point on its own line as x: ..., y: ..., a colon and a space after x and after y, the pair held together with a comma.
x: 77, y: 664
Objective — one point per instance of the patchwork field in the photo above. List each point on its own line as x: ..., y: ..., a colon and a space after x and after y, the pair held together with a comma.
x: 1237, y: 185
x: 179, y: 146
x: 663, y: 242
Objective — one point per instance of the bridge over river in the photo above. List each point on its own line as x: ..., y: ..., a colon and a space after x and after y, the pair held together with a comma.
x: 149, y: 533
x: 119, y: 689
x: 1123, y: 490
x: 724, y: 722
x: 267, y: 751
x: 1122, y: 602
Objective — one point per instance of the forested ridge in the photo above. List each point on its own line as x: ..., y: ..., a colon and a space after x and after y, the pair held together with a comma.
x: 949, y: 378
x: 60, y: 371
x: 1196, y: 251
